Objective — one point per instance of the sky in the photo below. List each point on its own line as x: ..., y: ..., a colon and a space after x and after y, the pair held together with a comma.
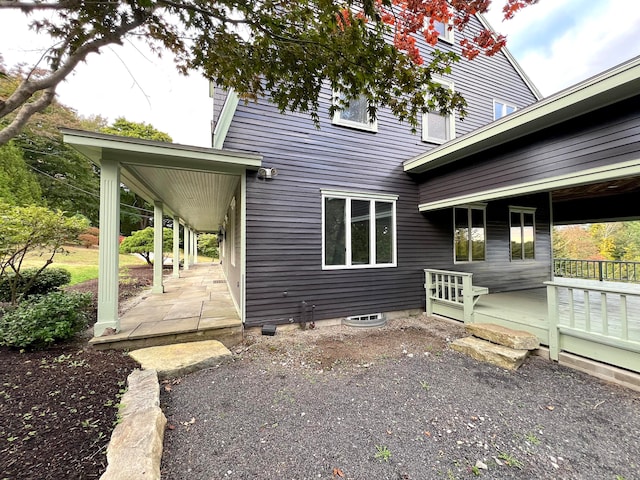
x: 558, y: 43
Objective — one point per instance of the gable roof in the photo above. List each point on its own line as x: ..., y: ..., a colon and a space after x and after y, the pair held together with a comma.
x: 614, y: 85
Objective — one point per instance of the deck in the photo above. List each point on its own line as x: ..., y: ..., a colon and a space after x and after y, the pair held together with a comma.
x: 196, y: 306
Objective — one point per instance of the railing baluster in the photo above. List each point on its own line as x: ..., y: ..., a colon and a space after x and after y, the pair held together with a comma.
x: 624, y: 319
x: 587, y: 311
x: 605, y: 316
x: 572, y: 317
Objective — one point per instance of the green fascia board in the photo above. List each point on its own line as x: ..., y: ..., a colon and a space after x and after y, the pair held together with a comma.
x: 614, y: 85
x: 153, y: 153
x: 225, y: 118
x: 593, y: 175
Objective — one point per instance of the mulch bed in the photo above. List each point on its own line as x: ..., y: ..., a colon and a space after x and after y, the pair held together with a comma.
x: 59, y: 406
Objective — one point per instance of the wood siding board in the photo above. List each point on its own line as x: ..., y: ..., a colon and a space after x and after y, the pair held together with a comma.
x: 284, y: 246
x: 572, y: 147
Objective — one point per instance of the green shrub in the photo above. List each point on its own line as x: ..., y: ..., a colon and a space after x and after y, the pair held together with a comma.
x: 50, y: 280
x: 208, y: 245
x: 44, y: 319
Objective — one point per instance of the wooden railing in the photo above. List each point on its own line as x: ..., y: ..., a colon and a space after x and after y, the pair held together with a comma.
x: 449, y: 292
x: 602, y: 270
x: 596, y: 322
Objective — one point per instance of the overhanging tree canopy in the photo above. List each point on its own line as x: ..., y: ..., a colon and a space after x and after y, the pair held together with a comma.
x: 284, y: 49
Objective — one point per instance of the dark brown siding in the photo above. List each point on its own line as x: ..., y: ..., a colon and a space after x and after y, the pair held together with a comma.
x: 574, y: 146
x: 284, y: 264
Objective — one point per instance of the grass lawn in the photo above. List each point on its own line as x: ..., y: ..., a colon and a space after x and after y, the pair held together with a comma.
x: 81, y: 262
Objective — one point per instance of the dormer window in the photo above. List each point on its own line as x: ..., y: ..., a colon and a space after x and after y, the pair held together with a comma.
x: 355, y: 114
x: 501, y: 109
x: 444, y: 30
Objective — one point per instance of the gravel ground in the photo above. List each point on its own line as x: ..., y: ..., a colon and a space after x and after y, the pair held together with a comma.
x: 298, y: 407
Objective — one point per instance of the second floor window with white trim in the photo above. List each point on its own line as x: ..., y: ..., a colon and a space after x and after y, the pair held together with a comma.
x: 522, y: 225
x: 358, y: 230
x: 469, y: 233
x: 436, y: 127
x: 355, y: 115
x: 445, y: 31
x: 501, y: 109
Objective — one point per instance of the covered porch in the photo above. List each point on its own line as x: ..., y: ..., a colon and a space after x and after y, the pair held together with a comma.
x: 194, y: 190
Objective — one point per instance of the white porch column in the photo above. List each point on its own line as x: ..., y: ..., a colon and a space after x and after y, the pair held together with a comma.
x: 158, y: 253
x: 195, y: 247
x: 176, y: 247
x: 108, y: 261
x: 185, y: 243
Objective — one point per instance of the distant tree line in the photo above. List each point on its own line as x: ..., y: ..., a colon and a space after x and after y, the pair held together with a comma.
x: 598, y: 241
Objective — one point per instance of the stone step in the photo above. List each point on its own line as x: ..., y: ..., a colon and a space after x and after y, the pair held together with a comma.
x: 180, y: 358
x: 517, y: 339
x: 485, y: 351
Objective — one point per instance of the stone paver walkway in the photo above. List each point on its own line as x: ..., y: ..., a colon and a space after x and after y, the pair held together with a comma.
x: 191, y: 308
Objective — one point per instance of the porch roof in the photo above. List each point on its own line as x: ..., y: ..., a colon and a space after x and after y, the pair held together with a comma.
x: 195, y: 184
x: 614, y: 85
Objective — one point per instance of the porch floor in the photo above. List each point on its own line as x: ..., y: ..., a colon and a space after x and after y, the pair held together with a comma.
x: 196, y: 306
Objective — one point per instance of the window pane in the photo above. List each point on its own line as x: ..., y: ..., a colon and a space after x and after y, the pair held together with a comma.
x: 529, y: 239
x: 510, y: 109
x: 440, y: 28
x: 477, y: 234
x: 356, y: 111
x: 497, y: 110
x: 334, y: 228
x: 360, y: 224
x: 461, y: 234
x: 516, y: 237
x: 437, y: 126
x: 384, y: 233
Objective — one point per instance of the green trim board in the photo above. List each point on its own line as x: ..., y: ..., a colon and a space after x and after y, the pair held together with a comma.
x: 593, y: 175
x: 224, y: 120
x: 614, y: 85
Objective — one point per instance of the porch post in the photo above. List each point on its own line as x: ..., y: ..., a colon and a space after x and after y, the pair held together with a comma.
x: 190, y: 245
x: 185, y: 243
x: 176, y: 247
x: 108, y: 261
x: 553, y: 314
x: 467, y: 298
x: 428, y: 286
x: 195, y: 247
x: 158, y: 253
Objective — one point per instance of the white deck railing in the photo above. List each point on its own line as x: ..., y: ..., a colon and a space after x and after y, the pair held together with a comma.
x: 585, y: 319
x: 451, y: 290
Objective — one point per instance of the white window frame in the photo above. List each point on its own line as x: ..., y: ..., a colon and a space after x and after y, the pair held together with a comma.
x: 372, y: 198
x: 503, y: 109
x: 449, y: 34
x: 450, y: 119
x: 469, y: 208
x: 521, y: 211
x: 371, y: 126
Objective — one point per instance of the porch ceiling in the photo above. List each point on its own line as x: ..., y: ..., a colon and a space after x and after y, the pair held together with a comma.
x: 195, y: 184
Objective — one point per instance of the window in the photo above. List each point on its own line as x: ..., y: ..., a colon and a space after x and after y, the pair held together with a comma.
x: 502, y: 109
x: 358, y: 230
x: 469, y: 233
x: 438, y: 128
x: 355, y: 115
x: 522, y: 227
x: 444, y: 30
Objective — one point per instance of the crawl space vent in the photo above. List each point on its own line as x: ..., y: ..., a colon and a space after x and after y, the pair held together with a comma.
x: 369, y: 320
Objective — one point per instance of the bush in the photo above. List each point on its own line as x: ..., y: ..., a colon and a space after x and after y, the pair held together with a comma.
x: 90, y: 237
x: 208, y: 245
x: 45, y: 319
x: 49, y: 280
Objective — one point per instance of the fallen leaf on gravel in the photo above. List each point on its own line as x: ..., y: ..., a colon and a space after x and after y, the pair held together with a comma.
x: 550, y: 407
x: 338, y: 473
x: 190, y: 422
x: 167, y: 388
x: 389, y: 432
x: 171, y: 427
x: 428, y: 434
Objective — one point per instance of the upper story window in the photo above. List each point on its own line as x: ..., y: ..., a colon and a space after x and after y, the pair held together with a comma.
x: 436, y: 127
x: 501, y: 109
x: 445, y: 31
x: 358, y: 230
x: 469, y: 233
x: 522, y: 229
x: 355, y: 115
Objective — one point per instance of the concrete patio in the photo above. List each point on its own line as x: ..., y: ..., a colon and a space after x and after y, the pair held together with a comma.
x: 196, y: 306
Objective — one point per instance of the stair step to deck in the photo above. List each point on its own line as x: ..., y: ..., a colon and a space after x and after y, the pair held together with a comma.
x: 516, y: 339
x: 485, y: 351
